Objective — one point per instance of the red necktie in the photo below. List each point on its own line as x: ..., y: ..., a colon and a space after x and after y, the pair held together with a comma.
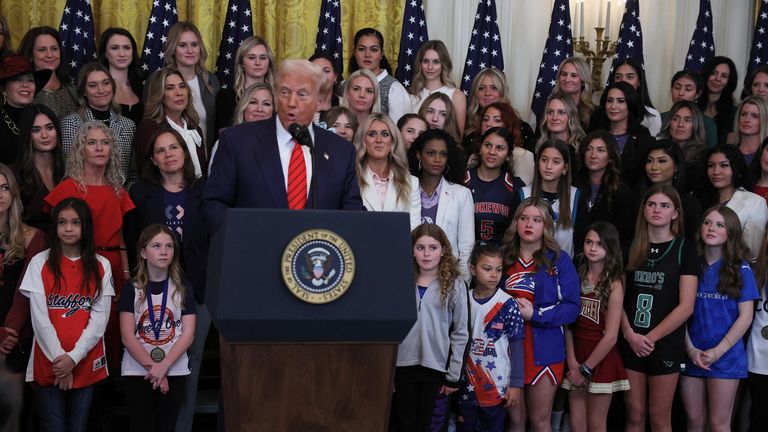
x: 297, y: 179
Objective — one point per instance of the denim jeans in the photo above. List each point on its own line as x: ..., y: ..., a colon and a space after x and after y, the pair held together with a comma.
x: 63, y: 410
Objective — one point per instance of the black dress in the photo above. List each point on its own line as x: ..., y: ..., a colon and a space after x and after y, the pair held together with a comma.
x: 10, y: 134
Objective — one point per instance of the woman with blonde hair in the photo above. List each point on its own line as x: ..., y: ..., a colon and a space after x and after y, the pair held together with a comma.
x: 440, y: 113
x: 169, y: 104
x: 96, y: 97
x: 185, y: 51
x: 561, y: 121
x: 361, y: 94
x: 254, y: 63
x: 750, y: 126
x: 93, y: 174
x: 382, y: 169
x: 432, y: 73
x: 574, y: 79
x: 20, y: 243
x: 489, y: 86
x: 255, y: 104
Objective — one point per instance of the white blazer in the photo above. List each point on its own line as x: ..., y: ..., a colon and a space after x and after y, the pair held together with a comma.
x: 753, y: 215
x: 372, y: 203
x: 456, y: 216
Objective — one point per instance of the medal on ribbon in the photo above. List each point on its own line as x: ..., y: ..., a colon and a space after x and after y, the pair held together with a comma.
x: 157, y: 354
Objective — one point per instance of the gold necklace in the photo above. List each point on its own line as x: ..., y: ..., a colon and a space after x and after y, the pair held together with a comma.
x: 11, y: 125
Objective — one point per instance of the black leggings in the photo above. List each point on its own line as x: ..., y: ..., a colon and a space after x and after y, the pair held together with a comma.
x: 150, y: 410
x: 414, y: 399
x: 758, y: 391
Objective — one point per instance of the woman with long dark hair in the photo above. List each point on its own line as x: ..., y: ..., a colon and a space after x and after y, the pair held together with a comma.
x: 716, y: 101
x: 688, y: 86
x: 43, y: 48
x: 495, y: 188
x: 435, y: 159
x: 368, y: 54
x: 620, y: 113
x: 117, y: 51
x: 726, y: 182
x: 632, y: 72
x: 40, y: 165
x: 664, y: 164
x: 604, y: 197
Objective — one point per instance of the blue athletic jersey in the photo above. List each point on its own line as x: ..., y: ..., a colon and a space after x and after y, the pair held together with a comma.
x: 713, y: 315
x: 495, y: 203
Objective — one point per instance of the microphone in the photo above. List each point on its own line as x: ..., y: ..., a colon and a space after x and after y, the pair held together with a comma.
x: 300, y: 134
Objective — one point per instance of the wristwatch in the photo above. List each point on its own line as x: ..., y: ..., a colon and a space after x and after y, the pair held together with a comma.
x: 585, y: 371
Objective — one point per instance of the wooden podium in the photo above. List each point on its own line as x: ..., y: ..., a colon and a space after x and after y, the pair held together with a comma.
x: 290, y: 365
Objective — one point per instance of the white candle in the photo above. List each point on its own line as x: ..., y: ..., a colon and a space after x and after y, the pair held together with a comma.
x: 581, y: 19
x: 600, y: 15
x: 574, y: 24
x: 608, y: 21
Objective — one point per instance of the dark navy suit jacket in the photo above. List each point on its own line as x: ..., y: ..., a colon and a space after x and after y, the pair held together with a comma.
x: 247, y: 173
x: 149, y: 199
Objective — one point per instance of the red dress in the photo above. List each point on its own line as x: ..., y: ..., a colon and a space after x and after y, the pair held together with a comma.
x: 107, y: 209
x: 609, y: 375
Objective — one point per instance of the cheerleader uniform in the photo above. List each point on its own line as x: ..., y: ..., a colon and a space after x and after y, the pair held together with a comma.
x: 609, y: 376
x: 554, y: 293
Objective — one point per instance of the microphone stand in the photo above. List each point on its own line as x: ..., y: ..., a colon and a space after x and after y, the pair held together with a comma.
x: 313, y: 181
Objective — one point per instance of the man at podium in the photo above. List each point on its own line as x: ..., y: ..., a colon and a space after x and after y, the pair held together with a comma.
x: 268, y: 164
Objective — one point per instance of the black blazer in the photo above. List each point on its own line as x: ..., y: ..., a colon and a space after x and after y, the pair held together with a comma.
x: 620, y: 212
x: 150, y: 208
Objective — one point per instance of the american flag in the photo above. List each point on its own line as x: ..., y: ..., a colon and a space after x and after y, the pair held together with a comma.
x: 163, y: 16
x: 630, y: 42
x: 414, y: 33
x: 484, y: 45
x: 702, y: 42
x: 329, y: 39
x: 557, y: 49
x: 759, y: 53
x: 76, y: 30
x: 237, y: 27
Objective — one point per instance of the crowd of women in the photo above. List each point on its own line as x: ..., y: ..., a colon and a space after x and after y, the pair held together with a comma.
x: 608, y: 248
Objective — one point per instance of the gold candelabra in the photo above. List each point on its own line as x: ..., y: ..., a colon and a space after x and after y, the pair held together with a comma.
x: 604, y: 49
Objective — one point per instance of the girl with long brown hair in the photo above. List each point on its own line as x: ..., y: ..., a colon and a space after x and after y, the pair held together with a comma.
x: 662, y: 272
x: 429, y: 359
x: 595, y: 369
x: 722, y: 314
